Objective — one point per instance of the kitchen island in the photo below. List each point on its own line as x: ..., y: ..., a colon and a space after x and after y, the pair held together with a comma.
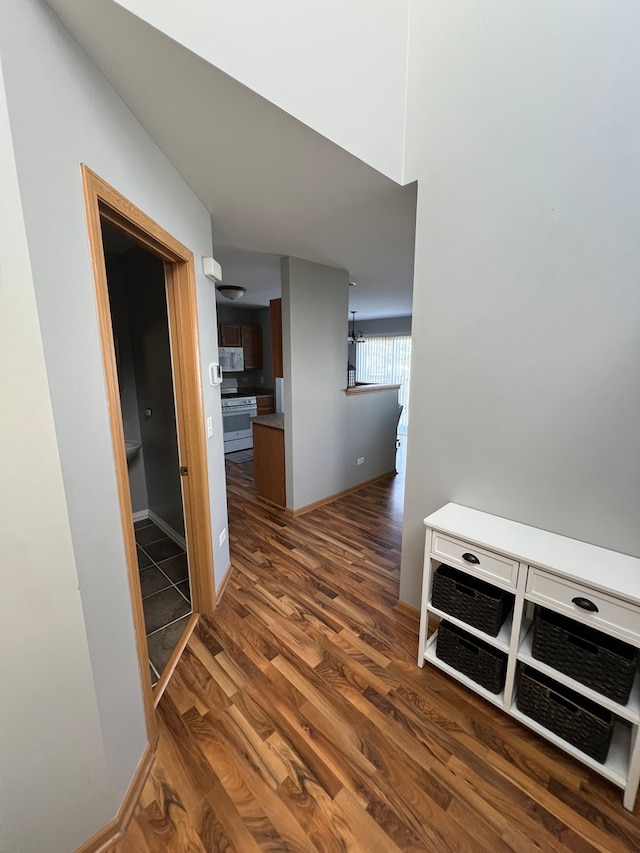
x: 268, y: 458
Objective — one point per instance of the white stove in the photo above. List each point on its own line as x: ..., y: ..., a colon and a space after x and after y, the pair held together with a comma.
x: 237, y: 412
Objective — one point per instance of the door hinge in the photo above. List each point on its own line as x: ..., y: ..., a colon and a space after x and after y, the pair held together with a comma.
x: 183, y: 470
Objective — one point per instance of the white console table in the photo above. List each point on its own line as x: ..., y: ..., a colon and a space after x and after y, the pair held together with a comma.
x: 552, y: 571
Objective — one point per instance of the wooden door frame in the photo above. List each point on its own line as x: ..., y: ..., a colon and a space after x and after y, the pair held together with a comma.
x: 104, y: 202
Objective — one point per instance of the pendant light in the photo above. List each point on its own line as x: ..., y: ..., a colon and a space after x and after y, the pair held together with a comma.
x: 355, y: 336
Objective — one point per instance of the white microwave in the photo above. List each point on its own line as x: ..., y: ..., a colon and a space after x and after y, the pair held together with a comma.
x: 231, y: 359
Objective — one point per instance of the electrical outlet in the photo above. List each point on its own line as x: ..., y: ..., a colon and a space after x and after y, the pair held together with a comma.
x: 223, y: 535
x: 360, y: 460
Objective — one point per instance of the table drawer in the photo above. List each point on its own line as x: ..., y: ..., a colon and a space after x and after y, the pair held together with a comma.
x: 491, y: 567
x: 613, y: 615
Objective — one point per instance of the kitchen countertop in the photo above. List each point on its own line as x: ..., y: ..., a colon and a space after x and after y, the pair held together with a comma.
x: 368, y: 388
x: 275, y: 421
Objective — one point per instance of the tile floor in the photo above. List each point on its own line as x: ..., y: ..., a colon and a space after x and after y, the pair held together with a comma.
x: 166, y: 596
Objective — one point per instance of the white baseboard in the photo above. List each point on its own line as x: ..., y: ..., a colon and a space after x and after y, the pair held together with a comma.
x: 171, y: 533
x: 141, y: 515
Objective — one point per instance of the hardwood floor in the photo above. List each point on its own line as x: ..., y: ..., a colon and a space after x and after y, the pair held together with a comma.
x: 297, y: 719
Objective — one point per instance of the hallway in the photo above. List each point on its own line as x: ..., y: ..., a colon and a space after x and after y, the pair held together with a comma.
x: 297, y: 719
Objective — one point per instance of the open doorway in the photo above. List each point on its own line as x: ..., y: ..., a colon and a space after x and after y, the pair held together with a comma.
x: 140, y: 324
x: 386, y: 359
x: 105, y: 205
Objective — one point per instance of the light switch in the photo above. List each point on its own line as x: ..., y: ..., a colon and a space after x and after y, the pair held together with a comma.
x: 209, y: 427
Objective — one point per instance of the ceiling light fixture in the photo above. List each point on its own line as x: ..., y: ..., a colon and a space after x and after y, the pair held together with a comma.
x: 355, y: 336
x: 231, y: 291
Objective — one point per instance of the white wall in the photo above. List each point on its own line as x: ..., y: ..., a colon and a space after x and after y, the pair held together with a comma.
x: 524, y: 122
x: 314, y: 308
x: 50, y: 739
x: 370, y: 432
x: 63, y: 113
x: 326, y: 431
x: 339, y: 67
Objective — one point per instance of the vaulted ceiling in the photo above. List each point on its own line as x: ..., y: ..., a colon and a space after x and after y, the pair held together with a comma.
x: 273, y: 186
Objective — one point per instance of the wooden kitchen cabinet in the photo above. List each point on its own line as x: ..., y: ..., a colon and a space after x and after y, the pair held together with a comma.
x: 251, y: 343
x: 268, y: 460
x: 229, y: 336
x: 275, y: 313
x: 265, y: 405
x: 247, y: 337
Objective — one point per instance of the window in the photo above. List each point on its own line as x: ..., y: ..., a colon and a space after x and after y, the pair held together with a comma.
x: 386, y: 360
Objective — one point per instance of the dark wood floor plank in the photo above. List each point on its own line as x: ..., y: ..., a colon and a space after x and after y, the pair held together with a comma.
x: 298, y: 720
x: 174, y: 731
x: 312, y: 806
x: 205, y: 679
x: 331, y: 718
x: 133, y: 840
x: 165, y: 823
x: 410, y: 793
x: 251, y: 773
x: 534, y: 823
x: 371, y: 832
x: 220, y: 823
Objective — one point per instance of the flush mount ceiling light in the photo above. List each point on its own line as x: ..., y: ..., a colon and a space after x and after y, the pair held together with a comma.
x: 231, y: 291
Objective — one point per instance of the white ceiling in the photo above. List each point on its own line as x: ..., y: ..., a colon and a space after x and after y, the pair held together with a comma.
x: 273, y: 186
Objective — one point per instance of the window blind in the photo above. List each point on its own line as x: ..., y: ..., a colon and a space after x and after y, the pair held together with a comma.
x: 387, y: 360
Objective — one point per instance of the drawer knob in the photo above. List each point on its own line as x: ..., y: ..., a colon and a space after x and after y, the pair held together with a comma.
x: 471, y: 558
x: 585, y: 604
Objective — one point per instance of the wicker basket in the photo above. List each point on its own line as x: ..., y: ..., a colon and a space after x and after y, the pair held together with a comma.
x: 478, y: 660
x: 573, y: 717
x: 601, y: 662
x: 470, y: 599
